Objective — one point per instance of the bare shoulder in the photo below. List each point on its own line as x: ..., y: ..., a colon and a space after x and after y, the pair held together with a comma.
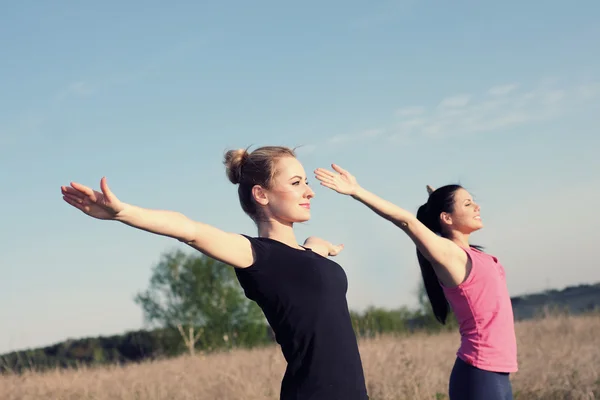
x: 455, y: 268
x: 230, y: 248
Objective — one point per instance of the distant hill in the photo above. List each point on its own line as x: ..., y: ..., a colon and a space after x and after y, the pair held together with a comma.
x: 573, y: 299
x: 143, y: 345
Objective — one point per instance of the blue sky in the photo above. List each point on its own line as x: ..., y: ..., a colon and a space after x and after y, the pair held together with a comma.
x: 502, y: 97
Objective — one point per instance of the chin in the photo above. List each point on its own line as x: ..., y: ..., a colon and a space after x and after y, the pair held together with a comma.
x: 468, y: 229
x: 304, y: 217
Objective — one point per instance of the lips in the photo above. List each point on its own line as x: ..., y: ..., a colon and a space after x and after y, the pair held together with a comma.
x: 305, y: 205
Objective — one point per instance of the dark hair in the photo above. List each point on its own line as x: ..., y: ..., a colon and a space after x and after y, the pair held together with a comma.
x: 441, y: 200
x: 256, y: 168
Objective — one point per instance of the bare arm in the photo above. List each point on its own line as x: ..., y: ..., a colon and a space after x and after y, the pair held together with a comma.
x: 436, y: 249
x: 230, y: 248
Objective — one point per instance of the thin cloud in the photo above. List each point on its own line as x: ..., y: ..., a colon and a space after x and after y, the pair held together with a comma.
x: 501, y: 107
x: 455, y: 101
x: 370, y: 133
x: 75, y: 89
x: 502, y: 90
x: 589, y: 91
x: 410, y: 111
x: 553, y: 96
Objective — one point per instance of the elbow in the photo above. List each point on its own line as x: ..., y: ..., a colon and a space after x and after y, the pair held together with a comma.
x: 403, y: 221
x: 189, y: 232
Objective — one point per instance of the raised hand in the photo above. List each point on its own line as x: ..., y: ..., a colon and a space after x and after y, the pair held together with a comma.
x: 341, y: 180
x: 334, y: 250
x: 103, y: 205
x: 323, y: 247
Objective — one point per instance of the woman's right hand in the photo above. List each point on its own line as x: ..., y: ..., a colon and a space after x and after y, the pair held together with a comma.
x: 98, y: 205
x: 342, y: 182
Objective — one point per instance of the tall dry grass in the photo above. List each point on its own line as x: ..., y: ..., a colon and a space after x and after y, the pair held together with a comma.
x: 559, y: 359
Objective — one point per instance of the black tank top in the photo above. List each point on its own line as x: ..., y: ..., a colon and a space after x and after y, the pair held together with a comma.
x: 303, y: 297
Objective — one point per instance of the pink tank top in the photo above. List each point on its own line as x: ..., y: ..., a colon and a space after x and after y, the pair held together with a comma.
x: 484, y: 312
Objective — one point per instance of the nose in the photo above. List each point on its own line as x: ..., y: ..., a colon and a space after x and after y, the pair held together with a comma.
x: 309, y: 194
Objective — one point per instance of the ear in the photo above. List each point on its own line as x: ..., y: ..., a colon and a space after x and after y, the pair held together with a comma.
x: 260, y: 195
x: 445, y: 219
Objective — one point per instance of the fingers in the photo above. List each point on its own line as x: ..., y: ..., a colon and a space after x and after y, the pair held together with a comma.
x: 88, y: 192
x: 339, y: 169
x: 75, y: 202
x: 105, y: 189
x: 335, y: 250
x: 324, y: 172
x: 329, y: 185
x: 324, y: 175
x: 74, y: 198
x: 67, y: 190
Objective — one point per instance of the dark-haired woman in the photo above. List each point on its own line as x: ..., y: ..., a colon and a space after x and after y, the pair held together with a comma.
x: 457, y: 275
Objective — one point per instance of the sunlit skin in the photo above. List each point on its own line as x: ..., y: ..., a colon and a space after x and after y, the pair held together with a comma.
x: 288, y: 199
x: 284, y: 203
x: 449, y: 260
x: 464, y: 219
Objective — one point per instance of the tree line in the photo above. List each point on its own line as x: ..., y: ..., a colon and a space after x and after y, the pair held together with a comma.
x: 193, y: 304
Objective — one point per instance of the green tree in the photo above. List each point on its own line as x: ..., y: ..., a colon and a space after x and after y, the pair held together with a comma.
x: 424, y: 306
x: 425, y: 316
x: 376, y: 321
x: 201, y: 298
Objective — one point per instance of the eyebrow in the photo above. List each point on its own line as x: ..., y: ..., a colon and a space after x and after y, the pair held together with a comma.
x: 294, y: 177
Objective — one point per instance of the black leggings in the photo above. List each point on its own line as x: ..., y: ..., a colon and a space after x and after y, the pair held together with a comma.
x: 470, y: 383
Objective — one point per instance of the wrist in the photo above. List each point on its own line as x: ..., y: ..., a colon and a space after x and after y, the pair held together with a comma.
x: 357, y: 193
x: 125, y: 213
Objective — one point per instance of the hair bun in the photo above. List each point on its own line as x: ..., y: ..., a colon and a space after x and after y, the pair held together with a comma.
x: 234, y: 161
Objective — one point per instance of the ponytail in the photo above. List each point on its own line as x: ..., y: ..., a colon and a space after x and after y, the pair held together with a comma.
x: 434, y: 290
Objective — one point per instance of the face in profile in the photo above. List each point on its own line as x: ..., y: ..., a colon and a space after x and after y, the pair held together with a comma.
x: 465, y: 217
x: 288, y: 198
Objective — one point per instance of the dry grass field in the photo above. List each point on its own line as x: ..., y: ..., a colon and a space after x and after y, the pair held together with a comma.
x: 559, y: 359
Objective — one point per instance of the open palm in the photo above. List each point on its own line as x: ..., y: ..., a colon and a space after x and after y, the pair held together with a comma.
x: 100, y: 205
x: 341, y: 180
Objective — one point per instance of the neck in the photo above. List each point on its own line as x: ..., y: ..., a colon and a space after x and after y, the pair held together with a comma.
x: 461, y: 239
x: 276, y: 230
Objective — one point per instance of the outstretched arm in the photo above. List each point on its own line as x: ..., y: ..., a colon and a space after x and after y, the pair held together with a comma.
x: 230, y: 248
x: 435, y: 248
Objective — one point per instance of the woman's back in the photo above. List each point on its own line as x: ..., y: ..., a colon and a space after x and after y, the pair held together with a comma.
x: 303, y: 296
x: 483, y: 309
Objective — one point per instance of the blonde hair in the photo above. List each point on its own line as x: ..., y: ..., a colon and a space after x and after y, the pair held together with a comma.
x: 256, y: 168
